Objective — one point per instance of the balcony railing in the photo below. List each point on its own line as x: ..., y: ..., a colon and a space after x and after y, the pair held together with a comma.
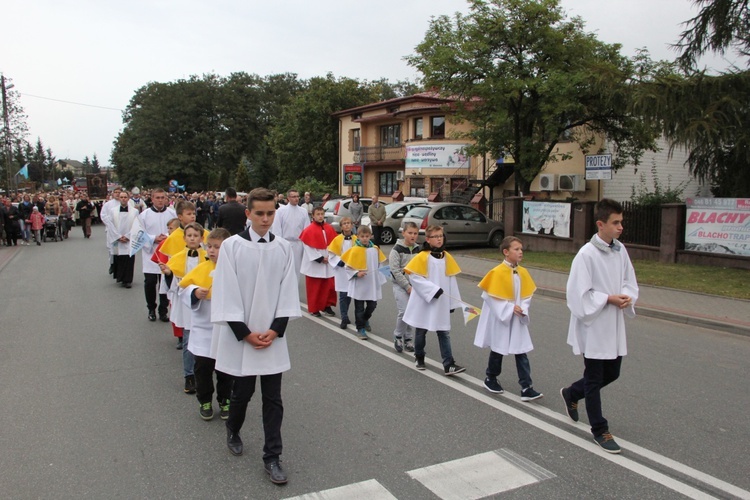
x: 379, y: 153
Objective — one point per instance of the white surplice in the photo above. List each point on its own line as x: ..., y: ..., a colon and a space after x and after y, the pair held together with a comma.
x: 424, y: 311
x: 155, y: 224
x: 340, y: 276
x: 180, y: 312
x: 119, y: 224
x: 201, y: 328
x: 597, y: 329
x: 369, y: 286
x: 288, y: 223
x: 253, y: 283
x: 500, y: 329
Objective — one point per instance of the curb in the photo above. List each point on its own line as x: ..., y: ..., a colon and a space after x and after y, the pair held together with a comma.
x: 652, y: 312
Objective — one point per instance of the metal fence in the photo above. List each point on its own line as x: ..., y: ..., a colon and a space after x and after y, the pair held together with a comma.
x: 641, y: 224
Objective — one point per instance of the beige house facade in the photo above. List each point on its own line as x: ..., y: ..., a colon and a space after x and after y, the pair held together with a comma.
x: 411, y: 147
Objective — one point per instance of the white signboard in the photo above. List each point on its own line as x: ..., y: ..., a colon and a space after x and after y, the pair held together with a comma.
x: 718, y: 225
x: 598, y: 167
x: 437, y: 156
x: 544, y: 217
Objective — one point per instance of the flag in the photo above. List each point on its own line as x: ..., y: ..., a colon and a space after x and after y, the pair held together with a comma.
x: 470, y: 312
x: 24, y: 172
x: 139, y: 238
x: 385, y: 271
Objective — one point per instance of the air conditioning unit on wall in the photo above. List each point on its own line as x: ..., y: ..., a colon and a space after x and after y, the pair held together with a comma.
x: 572, y: 182
x: 399, y: 175
x: 548, y: 182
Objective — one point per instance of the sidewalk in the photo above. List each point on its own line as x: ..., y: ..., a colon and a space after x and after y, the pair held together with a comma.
x: 696, y: 309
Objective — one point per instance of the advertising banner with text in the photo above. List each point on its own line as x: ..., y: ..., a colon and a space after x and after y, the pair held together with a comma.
x: 437, y: 156
x: 718, y: 225
x: 544, y: 217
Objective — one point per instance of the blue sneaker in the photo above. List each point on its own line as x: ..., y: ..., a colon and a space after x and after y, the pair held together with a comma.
x: 529, y: 394
x: 362, y: 334
x: 492, y: 385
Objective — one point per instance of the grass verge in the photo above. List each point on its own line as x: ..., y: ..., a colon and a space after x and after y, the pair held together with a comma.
x: 723, y: 281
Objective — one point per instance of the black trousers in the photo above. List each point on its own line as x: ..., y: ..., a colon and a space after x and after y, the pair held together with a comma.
x: 151, y: 288
x: 204, y: 381
x: 598, y: 373
x: 363, y: 310
x: 273, y: 410
x: 124, y: 265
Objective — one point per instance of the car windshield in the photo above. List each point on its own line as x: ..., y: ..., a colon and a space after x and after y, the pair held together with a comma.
x: 418, y: 212
x: 393, y: 206
x: 330, y: 205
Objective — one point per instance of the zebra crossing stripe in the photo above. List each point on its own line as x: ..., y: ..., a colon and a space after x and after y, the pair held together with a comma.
x: 371, y: 490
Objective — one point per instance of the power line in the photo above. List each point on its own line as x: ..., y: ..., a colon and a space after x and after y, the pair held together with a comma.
x: 70, y: 102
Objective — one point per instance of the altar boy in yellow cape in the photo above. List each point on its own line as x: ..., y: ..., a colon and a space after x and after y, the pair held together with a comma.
x: 503, y: 324
x: 175, y: 242
x: 362, y: 261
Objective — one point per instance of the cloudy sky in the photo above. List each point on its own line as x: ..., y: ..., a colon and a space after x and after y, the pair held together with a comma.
x: 77, y: 63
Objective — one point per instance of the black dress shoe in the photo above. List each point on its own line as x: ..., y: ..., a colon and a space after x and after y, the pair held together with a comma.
x: 329, y: 311
x: 151, y: 316
x: 344, y: 324
x: 275, y: 472
x: 164, y: 318
x: 316, y: 314
x: 128, y: 285
x: 234, y: 442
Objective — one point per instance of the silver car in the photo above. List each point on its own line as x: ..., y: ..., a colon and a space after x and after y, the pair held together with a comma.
x: 462, y: 224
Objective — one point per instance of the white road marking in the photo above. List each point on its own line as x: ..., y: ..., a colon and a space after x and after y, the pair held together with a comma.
x: 474, y: 477
x: 495, y: 401
x: 371, y: 490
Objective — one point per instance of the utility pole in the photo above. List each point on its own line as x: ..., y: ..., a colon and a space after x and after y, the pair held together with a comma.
x: 6, y: 129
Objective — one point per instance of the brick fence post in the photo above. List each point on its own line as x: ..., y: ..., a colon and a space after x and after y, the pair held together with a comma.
x: 584, y: 225
x: 512, y: 216
x: 672, y: 236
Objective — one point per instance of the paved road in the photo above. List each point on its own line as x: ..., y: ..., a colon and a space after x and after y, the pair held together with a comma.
x: 94, y: 406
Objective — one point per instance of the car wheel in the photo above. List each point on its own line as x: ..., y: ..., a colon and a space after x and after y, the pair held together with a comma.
x: 496, y: 239
x: 386, y: 236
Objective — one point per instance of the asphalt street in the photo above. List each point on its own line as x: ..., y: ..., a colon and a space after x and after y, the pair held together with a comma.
x: 94, y: 407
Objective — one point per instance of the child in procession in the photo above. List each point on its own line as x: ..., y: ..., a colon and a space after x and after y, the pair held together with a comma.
x: 401, y: 254
x: 601, y: 292
x: 195, y: 293
x: 336, y: 249
x: 504, y: 323
x: 255, y: 294
x: 319, y: 282
x: 174, y: 270
x: 434, y: 297
x: 362, y: 261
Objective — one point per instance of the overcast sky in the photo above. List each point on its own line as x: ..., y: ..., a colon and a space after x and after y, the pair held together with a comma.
x: 98, y: 53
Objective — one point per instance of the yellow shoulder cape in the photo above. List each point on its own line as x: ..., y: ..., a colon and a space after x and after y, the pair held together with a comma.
x: 356, y: 257
x: 176, y: 241
x: 338, y: 243
x: 201, y: 276
x: 177, y: 262
x: 418, y: 265
x: 499, y: 283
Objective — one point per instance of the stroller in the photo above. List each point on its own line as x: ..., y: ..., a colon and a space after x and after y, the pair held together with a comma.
x: 50, y: 228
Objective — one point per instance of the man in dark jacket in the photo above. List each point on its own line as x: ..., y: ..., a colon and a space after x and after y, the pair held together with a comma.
x: 84, y: 209
x: 232, y: 214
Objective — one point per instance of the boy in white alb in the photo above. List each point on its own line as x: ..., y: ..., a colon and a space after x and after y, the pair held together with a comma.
x: 601, y: 291
x: 362, y: 261
x: 433, y: 297
x: 336, y: 249
x: 195, y: 293
x: 319, y: 282
x: 401, y: 254
x: 504, y: 323
x: 254, y: 295
x: 154, y: 221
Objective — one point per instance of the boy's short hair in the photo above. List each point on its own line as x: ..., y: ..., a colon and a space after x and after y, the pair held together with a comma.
x: 194, y: 225
x: 259, y: 194
x: 219, y: 234
x: 364, y: 230
x: 230, y: 192
x: 432, y: 229
x: 183, y: 206
x: 173, y: 221
x: 606, y: 207
x: 320, y: 209
x: 410, y: 225
x: 507, y: 241
x: 157, y: 190
x: 343, y: 219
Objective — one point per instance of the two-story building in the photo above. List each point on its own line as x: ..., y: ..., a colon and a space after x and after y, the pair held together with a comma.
x: 411, y: 146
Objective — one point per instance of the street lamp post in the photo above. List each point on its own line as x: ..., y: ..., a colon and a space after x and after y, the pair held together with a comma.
x: 6, y: 128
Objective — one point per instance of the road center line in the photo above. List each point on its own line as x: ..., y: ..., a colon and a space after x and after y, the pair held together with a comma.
x: 588, y: 445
